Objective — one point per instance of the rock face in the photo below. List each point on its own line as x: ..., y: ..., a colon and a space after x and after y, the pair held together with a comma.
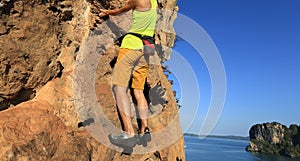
x: 43, y: 46
x: 275, y: 138
x: 30, y: 46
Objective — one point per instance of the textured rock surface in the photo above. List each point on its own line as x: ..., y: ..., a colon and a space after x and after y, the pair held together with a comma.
x: 30, y: 46
x: 41, y: 43
x: 270, y: 132
x: 275, y: 138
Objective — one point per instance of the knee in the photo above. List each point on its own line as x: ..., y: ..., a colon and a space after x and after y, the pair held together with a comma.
x: 138, y: 93
x: 119, y: 89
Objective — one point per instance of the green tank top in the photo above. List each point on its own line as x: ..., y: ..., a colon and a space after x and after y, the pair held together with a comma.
x: 143, y: 22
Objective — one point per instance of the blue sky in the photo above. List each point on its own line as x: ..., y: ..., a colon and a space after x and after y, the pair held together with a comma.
x: 259, y: 43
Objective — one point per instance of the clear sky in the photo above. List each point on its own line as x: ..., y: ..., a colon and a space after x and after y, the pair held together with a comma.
x: 259, y: 43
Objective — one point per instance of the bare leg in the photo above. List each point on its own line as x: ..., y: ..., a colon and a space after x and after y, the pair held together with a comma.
x: 123, y: 104
x: 142, y: 107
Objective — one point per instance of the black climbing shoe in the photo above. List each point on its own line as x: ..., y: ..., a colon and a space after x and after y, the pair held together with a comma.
x: 144, y: 138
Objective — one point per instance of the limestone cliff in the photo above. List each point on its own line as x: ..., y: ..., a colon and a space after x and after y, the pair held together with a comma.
x: 49, y: 51
x: 275, y: 138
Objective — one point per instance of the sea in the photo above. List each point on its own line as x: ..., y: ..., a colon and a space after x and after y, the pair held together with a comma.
x: 219, y: 149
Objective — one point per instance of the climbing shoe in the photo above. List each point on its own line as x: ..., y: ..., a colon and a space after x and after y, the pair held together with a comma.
x: 122, y: 140
x: 144, y: 138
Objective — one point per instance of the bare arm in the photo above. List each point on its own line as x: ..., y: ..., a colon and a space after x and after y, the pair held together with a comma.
x: 131, y: 4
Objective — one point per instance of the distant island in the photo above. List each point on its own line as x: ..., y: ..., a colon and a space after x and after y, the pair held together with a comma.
x: 275, y: 138
x: 219, y: 136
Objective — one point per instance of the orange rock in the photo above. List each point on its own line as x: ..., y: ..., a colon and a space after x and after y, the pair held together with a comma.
x: 40, y: 51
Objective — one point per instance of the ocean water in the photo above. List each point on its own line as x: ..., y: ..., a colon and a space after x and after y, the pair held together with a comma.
x: 217, y: 149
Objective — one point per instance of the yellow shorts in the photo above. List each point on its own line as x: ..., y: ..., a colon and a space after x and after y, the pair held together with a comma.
x: 130, y: 63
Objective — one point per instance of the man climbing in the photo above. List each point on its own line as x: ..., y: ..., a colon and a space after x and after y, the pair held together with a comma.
x: 132, y: 63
